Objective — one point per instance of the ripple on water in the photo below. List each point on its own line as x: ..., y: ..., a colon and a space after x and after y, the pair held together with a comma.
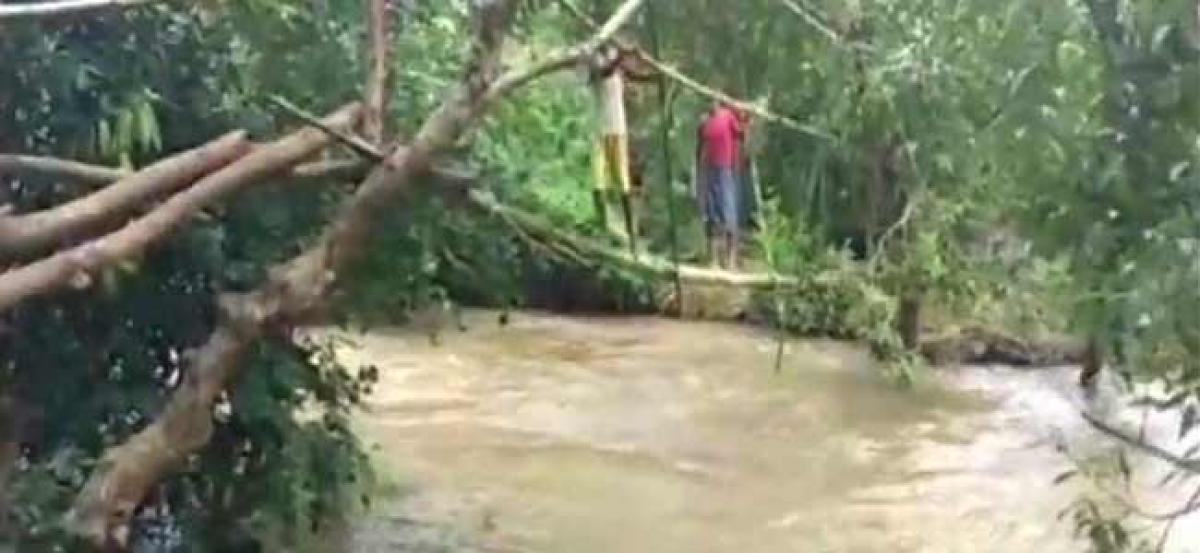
x: 649, y: 435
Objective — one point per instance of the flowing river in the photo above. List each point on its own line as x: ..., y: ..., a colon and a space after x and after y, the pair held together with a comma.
x: 599, y: 435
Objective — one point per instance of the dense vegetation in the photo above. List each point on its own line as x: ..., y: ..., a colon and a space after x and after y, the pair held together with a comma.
x: 1033, y: 166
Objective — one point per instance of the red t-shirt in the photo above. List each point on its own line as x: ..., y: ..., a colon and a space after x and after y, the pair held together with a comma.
x: 721, y: 132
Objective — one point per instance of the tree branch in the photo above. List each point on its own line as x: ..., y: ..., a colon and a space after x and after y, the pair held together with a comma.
x: 580, y: 248
x: 79, y: 264
x: 567, y: 57
x: 63, y: 7
x: 360, y: 146
x: 833, y: 36
x: 24, y: 235
x: 294, y: 291
x: 16, y: 165
x: 86, y: 173
x: 1181, y: 463
x: 669, y: 71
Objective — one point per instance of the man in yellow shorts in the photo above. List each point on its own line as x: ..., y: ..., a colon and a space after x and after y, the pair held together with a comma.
x: 610, y: 157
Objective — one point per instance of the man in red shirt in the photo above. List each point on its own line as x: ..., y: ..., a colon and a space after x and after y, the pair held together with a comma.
x: 718, y: 154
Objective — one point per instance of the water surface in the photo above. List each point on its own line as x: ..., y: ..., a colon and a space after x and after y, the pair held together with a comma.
x: 589, y: 435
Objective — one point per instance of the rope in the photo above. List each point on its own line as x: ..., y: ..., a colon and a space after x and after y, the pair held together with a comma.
x: 668, y: 122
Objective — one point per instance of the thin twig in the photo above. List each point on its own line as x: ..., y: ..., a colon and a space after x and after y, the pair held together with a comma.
x: 833, y: 36
x: 360, y: 146
x: 909, y: 209
x: 1192, y: 504
x: 1187, y: 465
x: 1188, y: 507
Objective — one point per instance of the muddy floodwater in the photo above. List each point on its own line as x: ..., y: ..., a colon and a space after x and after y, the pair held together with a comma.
x: 602, y: 435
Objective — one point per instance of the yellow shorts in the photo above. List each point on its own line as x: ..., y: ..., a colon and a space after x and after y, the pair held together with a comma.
x: 610, y: 163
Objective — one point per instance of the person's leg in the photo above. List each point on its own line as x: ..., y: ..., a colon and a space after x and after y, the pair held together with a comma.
x: 713, y: 216
x: 600, y: 182
x: 612, y: 192
x: 620, y: 149
x: 731, y: 216
x: 712, y: 234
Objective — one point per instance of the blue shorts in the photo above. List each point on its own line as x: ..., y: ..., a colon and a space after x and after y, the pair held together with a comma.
x: 721, y: 199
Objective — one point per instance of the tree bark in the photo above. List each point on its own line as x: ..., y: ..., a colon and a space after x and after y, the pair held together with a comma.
x: 909, y: 321
x: 78, y: 265
x: 293, y: 291
x: 377, y: 89
x: 28, y: 234
x: 16, y: 165
x: 1092, y: 363
x: 587, y: 252
x: 85, y: 173
x: 9, y: 450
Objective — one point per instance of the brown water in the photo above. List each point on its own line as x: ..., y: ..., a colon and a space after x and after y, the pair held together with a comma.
x: 583, y: 435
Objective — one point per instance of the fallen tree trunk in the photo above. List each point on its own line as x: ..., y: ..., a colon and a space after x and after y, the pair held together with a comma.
x: 581, y: 248
x: 27, y: 234
x: 980, y: 346
x: 78, y: 265
x: 295, y: 289
x: 98, y: 175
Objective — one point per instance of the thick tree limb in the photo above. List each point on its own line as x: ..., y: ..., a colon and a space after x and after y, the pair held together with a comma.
x: 344, y: 169
x: 16, y: 165
x: 581, y: 248
x: 38, y: 10
x: 22, y: 235
x: 78, y: 265
x: 294, y: 291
